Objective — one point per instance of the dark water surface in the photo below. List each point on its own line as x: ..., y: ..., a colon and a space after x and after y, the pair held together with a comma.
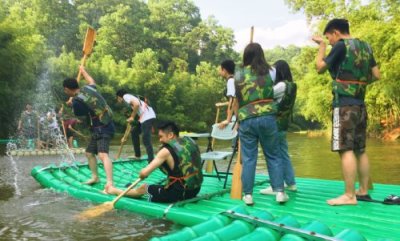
x: 29, y: 212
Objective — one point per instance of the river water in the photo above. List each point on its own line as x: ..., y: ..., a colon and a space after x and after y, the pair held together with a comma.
x: 29, y: 212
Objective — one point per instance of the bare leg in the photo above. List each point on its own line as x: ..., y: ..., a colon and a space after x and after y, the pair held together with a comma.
x: 349, y: 170
x: 108, y: 168
x: 363, y: 172
x: 135, y: 193
x: 93, y: 167
x: 70, y: 140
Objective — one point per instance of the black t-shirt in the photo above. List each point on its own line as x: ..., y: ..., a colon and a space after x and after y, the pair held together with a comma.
x: 335, y: 57
x: 82, y: 109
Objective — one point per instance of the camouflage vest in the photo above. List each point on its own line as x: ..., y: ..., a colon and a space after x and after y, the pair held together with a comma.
x: 29, y: 120
x: 189, y: 163
x: 354, y: 72
x: 285, y: 107
x: 96, y: 103
x: 255, y: 94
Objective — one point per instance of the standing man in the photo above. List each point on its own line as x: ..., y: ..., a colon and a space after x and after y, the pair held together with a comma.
x: 29, y: 125
x: 352, y: 67
x: 146, y: 116
x: 179, y: 158
x: 87, y: 101
x: 227, y: 71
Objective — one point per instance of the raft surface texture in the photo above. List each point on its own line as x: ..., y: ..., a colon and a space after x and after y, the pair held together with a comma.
x: 220, y: 218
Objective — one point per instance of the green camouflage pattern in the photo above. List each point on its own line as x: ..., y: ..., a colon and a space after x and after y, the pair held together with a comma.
x: 29, y: 120
x: 251, y: 88
x: 355, y: 67
x: 93, y: 99
x: 188, y: 154
x: 29, y: 124
x: 285, y: 107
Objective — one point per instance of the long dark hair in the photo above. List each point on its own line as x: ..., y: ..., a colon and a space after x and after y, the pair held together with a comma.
x: 282, y: 71
x: 254, y: 56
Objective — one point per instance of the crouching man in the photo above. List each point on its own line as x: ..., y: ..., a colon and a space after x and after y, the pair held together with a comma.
x: 179, y: 158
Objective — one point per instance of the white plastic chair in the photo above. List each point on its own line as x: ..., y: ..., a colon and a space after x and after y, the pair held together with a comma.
x: 221, y: 134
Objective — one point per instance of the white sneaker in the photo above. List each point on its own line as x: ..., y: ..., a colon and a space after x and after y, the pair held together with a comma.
x: 292, y: 188
x: 268, y: 191
x: 281, y: 197
x: 248, y: 199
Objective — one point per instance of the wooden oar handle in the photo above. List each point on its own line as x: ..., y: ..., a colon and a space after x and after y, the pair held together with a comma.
x: 221, y: 104
x: 124, y: 192
x: 127, y: 131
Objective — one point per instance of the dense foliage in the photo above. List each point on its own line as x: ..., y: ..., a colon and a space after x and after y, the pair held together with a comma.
x: 164, y: 50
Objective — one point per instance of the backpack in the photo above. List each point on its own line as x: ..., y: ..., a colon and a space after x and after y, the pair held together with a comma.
x: 285, y: 107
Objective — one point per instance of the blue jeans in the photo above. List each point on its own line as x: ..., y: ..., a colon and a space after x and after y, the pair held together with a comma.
x: 288, y: 172
x: 261, y: 129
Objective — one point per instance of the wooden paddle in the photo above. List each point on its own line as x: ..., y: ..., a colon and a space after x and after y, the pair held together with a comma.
x: 105, y: 207
x: 127, y: 131
x: 79, y: 133
x: 251, y: 34
x: 236, y: 187
x: 87, y: 47
x: 62, y: 121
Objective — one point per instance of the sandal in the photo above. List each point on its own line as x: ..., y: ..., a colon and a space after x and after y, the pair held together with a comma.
x: 392, y: 200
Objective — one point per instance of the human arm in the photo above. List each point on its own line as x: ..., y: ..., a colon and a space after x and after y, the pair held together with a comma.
x: 320, y: 63
x: 87, y: 77
x: 134, y: 103
x: 229, y: 113
x: 376, y: 73
x: 162, y: 156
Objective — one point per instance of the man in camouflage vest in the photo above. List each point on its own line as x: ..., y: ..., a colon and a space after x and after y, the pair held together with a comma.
x: 352, y: 66
x: 28, y: 125
x: 179, y: 158
x: 87, y: 101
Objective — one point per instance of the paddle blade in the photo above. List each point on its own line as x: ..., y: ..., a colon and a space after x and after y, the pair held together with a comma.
x: 89, y: 41
x: 236, y: 188
x: 96, y: 211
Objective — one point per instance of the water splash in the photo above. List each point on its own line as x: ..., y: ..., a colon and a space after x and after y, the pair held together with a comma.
x: 12, y: 147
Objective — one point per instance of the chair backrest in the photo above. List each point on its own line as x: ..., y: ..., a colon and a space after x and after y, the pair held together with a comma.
x: 224, y: 134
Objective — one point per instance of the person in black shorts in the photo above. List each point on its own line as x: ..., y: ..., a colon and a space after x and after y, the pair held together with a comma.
x: 179, y: 158
x: 88, y: 102
x: 352, y: 67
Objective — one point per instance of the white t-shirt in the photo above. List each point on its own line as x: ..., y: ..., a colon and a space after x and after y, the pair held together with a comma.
x: 230, y: 87
x: 272, y: 73
x: 279, y: 91
x: 145, y: 111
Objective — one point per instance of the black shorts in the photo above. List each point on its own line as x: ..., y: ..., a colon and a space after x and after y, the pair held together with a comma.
x: 349, y: 128
x: 99, y: 143
x: 157, y: 193
x: 69, y: 133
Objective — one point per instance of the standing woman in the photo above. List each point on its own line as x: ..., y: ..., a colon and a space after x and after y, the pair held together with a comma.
x: 285, y: 96
x: 257, y: 122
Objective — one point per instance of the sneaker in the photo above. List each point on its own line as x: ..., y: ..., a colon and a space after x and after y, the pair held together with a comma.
x: 292, y: 188
x: 281, y: 197
x: 268, y: 191
x: 248, y: 199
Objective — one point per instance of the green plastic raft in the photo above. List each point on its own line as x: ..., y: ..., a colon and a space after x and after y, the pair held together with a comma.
x: 212, y: 215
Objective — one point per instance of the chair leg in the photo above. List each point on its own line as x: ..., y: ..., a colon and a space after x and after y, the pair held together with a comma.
x: 230, y: 162
x: 216, y: 170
